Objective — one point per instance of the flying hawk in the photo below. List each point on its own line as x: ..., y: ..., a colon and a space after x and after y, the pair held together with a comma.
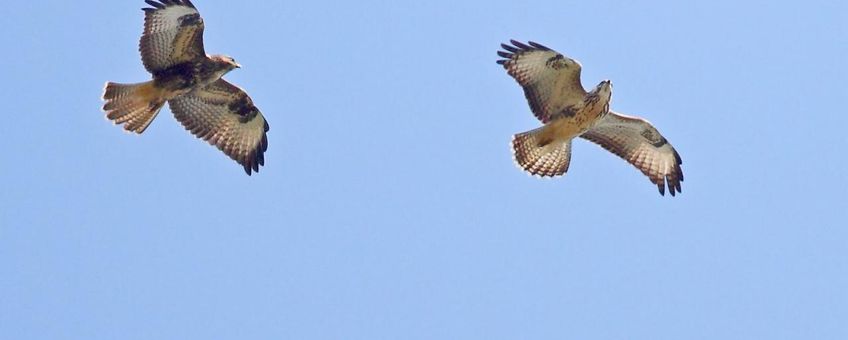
x: 552, y: 86
x: 190, y: 81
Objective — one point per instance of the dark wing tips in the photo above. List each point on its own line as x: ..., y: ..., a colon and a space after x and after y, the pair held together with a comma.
x: 509, y: 48
x: 256, y: 158
x: 510, y: 51
x: 155, y: 5
x: 507, y: 55
x: 251, y: 162
x: 539, y: 46
x: 674, y: 178
x: 162, y: 4
x: 264, y: 143
x: 677, y: 178
x: 673, y: 185
x: 530, y: 46
x: 677, y: 175
x: 518, y: 47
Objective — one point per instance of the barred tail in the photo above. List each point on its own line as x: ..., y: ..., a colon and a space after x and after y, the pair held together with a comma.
x: 540, y: 156
x: 134, y: 105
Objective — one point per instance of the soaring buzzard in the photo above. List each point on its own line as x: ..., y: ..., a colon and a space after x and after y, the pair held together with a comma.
x: 190, y: 81
x: 552, y: 86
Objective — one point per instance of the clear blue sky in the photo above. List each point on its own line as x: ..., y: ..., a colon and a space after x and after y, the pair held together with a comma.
x: 390, y: 207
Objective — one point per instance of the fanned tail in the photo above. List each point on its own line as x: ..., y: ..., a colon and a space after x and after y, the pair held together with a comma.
x: 541, y: 157
x: 133, y: 105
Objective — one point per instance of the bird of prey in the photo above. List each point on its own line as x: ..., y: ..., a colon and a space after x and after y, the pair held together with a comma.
x: 190, y: 81
x: 552, y: 86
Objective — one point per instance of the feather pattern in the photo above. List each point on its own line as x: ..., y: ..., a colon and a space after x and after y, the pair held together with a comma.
x: 551, y: 81
x: 173, y: 34
x: 538, y: 157
x: 639, y: 143
x: 224, y: 115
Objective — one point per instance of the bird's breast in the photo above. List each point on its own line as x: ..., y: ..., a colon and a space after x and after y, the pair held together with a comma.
x: 574, y: 125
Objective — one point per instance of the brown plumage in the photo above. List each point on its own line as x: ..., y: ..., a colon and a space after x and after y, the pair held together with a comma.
x: 190, y: 81
x: 553, y: 89
x: 223, y: 115
x: 639, y: 143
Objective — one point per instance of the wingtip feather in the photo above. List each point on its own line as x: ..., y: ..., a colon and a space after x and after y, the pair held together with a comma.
x: 509, y: 48
x: 154, y: 4
x: 539, y: 46
x: 162, y: 4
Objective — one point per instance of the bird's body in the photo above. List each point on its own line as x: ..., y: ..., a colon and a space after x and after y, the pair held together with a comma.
x: 191, y: 82
x: 556, y: 96
x: 580, y: 117
x: 182, y: 78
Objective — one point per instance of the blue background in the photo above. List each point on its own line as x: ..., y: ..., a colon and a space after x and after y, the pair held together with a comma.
x: 390, y: 207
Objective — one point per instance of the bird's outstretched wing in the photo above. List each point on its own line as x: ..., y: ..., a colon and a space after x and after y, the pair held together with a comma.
x: 224, y: 115
x: 550, y: 80
x: 638, y: 142
x: 173, y: 34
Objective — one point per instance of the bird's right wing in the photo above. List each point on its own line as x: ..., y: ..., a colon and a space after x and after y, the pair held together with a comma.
x: 550, y: 80
x: 173, y: 34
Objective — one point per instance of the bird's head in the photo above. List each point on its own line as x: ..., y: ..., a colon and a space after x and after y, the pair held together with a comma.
x: 604, y: 89
x: 225, y: 62
x: 601, y: 95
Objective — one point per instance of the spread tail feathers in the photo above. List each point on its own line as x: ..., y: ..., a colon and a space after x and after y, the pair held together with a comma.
x: 539, y: 156
x: 134, y: 105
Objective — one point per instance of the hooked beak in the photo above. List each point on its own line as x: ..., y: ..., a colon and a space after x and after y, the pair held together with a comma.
x: 238, y: 65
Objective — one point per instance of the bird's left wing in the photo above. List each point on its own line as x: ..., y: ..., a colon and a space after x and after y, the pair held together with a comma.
x: 173, y: 34
x: 223, y: 115
x: 638, y: 142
